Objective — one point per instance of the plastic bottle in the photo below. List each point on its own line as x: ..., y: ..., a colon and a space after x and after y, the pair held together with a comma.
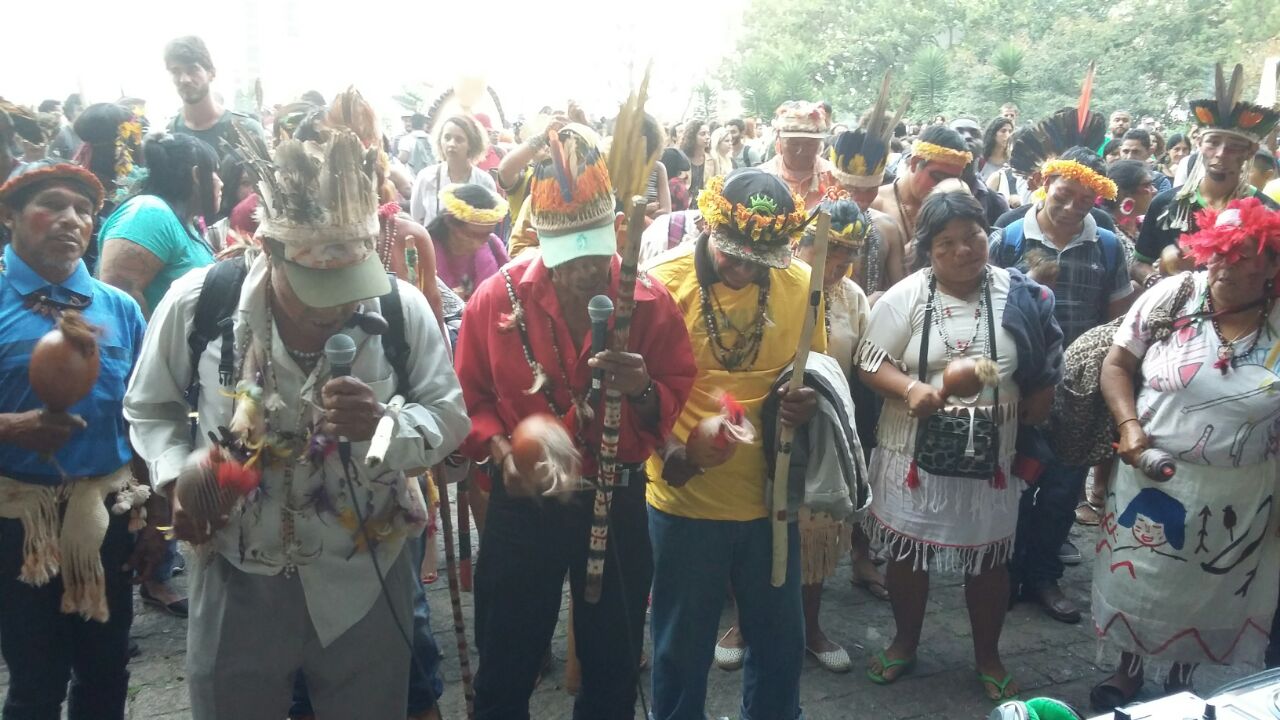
x: 1157, y: 464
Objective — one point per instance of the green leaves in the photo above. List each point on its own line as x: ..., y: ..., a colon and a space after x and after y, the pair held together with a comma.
x: 1009, y: 63
x: 929, y: 80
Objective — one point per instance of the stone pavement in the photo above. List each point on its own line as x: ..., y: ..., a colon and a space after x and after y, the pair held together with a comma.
x: 1047, y: 657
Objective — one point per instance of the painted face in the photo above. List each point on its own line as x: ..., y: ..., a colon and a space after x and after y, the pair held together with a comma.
x: 1224, y: 155
x: 53, y: 229
x: 1068, y: 201
x: 467, y: 238
x: 799, y: 153
x: 736, y: 272
x: 1131, y: 149
x: 454, y: 143
x: 191, y: 81
x: 585, y: 277
x: 1148, y: 532
x: 959, y: 253
x: 926, y: 174
x: 1143, y: 196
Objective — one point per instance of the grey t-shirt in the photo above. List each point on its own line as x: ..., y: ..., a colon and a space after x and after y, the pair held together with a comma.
x: 219, y: 131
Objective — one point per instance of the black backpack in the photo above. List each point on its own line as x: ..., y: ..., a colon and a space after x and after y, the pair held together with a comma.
x: 214, y: 317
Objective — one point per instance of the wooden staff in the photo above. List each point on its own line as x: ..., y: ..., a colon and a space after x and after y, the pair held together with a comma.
x: 608, y: 470
x: 464, y: 528
x: 782, y: 463
x: 455, y: 590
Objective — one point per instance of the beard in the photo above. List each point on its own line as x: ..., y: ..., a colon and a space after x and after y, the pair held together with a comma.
x: 193, y: 95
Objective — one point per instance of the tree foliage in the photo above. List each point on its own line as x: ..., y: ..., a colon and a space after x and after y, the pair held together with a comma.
x: 970, y: 56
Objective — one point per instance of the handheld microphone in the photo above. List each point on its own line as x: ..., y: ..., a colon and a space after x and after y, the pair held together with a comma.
x: 340, y: 351
x: 599, y: 308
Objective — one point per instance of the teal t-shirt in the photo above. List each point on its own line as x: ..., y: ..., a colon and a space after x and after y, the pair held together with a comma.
x: 148, y: 221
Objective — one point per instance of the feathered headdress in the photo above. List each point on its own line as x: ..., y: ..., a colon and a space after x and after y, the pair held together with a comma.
x: 21, y: 121
x: 1225, y: 233
x: 1030, y: 148
x: 849, y: 226
x: 630, y: 163
x: 860, y: 155
x: 1225, y: 112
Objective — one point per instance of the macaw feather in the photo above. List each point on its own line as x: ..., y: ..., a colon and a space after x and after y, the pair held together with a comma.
x: 630, y: 163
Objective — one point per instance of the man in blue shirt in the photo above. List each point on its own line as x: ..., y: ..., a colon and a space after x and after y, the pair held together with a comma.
x: 65, y: 480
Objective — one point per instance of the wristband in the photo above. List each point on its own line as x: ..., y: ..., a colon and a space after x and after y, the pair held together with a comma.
x: 644, y: 394
x: 910, y: 386
x: 1122, y: 422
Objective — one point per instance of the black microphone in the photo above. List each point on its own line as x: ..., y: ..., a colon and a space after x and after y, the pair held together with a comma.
x: 340, y: 351
x: 599, y: 309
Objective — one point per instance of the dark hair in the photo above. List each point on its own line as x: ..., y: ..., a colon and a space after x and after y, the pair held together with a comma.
x: 989, y: 135
x: 1160, y: 507
x: 675, y: 161
x: 844, y: 212
x: 99, y: 127
x: 477, y: 196
x: 1265, y: 160
x: 314, y: 97
x: 74, y: 103
x: 690, y: 137
x: 476, y: 137
x: 1087, y: 158
x: 653, y: 135
x: 940, y: 208
x: 945, y: 137
x: 169, y: 159
x: 1128, y: 175
x: 1112, y: 147
x: 188, y: 50
x: 738, y: 123
x: 418, y: 121
x: 1177, y: 138
x: 232, y: 171
x: 1138, y: 134
x: 48, y: 106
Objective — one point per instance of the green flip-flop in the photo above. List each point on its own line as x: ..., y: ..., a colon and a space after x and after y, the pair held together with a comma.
x: 907, y: 664
x: 1001, y: 686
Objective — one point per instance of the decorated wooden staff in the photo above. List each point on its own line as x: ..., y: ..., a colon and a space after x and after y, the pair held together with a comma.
x: 455, y: 591
x: 629, y: 168
x: 782, y: 463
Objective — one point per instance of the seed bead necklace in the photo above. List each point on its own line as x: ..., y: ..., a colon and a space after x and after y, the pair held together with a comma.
x: 742, y: 354
x: 1227, y: 356
x: 981, y: 317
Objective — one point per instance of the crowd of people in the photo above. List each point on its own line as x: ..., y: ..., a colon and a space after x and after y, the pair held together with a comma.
x: 1022, y: 325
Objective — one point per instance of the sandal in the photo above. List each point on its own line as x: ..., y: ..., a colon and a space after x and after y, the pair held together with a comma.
x: 879, y: 678
x: 1105, y: 697
x: 872, y: 586
x: 1088, y: 514
x: 1001, y: 687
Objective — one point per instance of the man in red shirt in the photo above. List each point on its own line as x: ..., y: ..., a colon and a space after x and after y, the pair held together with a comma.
x: 524, y: 349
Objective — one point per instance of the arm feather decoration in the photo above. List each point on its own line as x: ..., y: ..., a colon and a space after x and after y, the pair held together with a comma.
x: 629, y: 166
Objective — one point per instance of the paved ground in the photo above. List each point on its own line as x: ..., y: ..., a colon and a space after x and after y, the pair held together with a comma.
x: 1047, y: 657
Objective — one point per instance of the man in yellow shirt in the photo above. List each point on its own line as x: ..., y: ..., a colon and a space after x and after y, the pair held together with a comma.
x: 743, y: 299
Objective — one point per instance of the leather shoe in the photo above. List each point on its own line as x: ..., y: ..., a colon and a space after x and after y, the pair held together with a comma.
x: 1055, y: 603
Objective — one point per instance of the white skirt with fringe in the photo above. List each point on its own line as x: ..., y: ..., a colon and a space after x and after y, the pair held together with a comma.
x: 947, y: 523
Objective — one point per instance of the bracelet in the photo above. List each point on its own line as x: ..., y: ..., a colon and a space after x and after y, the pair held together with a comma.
x: 644, y: 394
x: 1151, y: 280
x: 910, y: 386
x: 1122, y: 422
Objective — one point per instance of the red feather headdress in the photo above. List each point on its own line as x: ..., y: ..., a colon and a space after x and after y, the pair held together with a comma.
x: 1224, y: 234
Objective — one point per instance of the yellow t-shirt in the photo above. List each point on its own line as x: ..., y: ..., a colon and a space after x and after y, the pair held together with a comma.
x: 736, y: 489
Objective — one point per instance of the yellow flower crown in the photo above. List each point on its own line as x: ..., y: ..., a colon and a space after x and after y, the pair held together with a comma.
x: 460, y: 209
x: 756, y: 221
x: 128, y: 136
x: 929, y: 151
x: 1072, y: 170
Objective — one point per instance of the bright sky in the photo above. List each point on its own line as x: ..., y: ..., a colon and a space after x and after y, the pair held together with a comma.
x: 532, y: 53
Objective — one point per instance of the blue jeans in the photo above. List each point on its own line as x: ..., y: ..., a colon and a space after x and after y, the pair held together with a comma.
x: 693, y: 561
x: 1045, y: 515
x: 45, y: 649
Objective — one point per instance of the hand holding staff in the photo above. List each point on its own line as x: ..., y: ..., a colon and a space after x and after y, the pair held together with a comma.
x: 782, y: 463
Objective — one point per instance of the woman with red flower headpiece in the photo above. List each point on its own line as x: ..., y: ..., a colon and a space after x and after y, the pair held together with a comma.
x: 1206, y: 346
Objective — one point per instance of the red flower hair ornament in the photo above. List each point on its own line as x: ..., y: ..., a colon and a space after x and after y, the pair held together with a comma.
x: 1224, y: 234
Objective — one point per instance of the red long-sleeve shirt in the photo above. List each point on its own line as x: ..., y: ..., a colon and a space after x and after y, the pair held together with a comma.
x: 496, y: 376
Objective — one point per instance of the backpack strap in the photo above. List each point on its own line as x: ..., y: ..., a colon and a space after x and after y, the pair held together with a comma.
x: 1011, y: 244
x: 394, y: 341
x: 213, y: 318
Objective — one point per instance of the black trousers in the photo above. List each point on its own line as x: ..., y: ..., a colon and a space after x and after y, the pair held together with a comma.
x: 45, y: 648
x: 527, y: 547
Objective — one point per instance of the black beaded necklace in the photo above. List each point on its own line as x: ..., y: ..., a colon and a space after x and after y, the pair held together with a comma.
x: 742, y: 354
